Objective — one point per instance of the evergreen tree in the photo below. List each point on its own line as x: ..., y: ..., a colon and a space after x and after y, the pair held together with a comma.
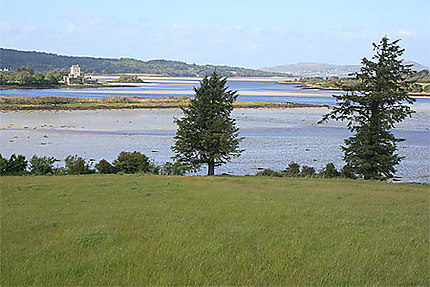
x: 372, y: 108
x: 207, y: 134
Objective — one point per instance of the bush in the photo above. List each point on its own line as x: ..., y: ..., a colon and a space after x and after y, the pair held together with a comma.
x: 308, y: 171
x: 270, y: 172
x: 132, y: 162
x: 77, y: 165
x: 174, y: 168
x: 14, y: 166
x: 348, y: 172
x: 329, y: 171
x: 103, y: 166
x: 292, y: 170
x: 42, y: 165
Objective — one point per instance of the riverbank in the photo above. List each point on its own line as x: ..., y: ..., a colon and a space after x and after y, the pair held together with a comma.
x: 74, y: 103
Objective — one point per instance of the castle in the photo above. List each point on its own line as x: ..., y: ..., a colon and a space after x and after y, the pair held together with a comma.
x: 75, y: 77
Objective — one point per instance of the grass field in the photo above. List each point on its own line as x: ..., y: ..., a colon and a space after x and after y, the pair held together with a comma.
x: 158, y: 230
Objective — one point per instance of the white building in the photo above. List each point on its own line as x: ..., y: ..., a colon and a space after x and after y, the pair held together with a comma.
x: 75, y: 77
x: 75, y: 71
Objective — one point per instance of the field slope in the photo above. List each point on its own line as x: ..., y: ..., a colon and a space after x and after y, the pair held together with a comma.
x: 158, y: 230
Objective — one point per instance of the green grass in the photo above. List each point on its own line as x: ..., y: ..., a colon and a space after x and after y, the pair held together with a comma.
x: 158, y: 230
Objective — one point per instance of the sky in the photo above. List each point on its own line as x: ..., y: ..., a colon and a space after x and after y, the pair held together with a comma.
x: 245, y: 33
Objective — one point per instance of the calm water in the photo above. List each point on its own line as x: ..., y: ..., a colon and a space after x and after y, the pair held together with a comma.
x: 273, y: 137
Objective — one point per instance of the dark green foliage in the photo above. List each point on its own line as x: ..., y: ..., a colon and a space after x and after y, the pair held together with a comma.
x: 207, y: 134
x: 103, y: 166
x: 372, y: 108
x: 329, y: 171
x: 129, y: 79
x: 347, y: 172
x: 173, y: 168
x: 44, y: 62
x: 132, y: 162
x: 293, y: 169
x: 307, y: 171
x: 271, y: 173
x: 77, y: 165
x: 3, y: 165
x: 15, y: 165
x: 42, y: 165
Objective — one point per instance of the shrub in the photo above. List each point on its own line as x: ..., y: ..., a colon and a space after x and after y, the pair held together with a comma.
x: 42, y: 165
x: 174, y: 168
x: 77, y: 165
x: 270, y: 172
x: 348, y: 172
x: 293, y: 170
x: 15, y: 165
x: 132, y: 162
x: 329, y: 171
x: 3, y: 165
x: 103, y: 166
x: 308, y: 171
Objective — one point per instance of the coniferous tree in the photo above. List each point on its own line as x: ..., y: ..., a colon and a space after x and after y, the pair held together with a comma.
x: 207, y: 134
x: 372, y: 108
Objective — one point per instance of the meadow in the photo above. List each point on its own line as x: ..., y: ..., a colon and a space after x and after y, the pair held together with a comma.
x: 166, y: 230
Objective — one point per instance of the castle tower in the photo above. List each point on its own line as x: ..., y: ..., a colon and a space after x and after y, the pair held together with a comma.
x: 75, y: 71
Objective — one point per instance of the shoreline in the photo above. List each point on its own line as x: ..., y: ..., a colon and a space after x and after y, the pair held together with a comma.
x: 70, y: 103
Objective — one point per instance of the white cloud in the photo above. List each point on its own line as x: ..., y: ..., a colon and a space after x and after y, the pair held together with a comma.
x: 406, y: 33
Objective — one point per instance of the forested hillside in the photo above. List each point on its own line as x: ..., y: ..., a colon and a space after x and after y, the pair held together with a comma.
x: 43, y: 62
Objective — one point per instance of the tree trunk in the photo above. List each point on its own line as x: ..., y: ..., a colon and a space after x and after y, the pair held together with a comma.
x: 211, y: 168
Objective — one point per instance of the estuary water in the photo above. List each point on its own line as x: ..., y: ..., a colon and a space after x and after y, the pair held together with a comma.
x: 272, y: 137
x: 267, y: 90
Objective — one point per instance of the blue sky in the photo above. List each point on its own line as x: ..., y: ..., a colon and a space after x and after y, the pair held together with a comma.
x: 248, y: 33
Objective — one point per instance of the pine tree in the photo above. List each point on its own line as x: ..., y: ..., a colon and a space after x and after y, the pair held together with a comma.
x: 207, y: 134
x: 372, y: 108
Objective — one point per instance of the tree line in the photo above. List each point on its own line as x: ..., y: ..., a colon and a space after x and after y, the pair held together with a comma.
x: 208, y: 135
x: 126, y: 162
x: 25, y: 76
x: 44, y: 62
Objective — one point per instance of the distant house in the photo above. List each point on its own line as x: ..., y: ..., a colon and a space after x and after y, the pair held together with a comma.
x: 75, y: 77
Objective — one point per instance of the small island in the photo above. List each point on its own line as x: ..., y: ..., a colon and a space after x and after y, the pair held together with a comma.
x: 128, y: 79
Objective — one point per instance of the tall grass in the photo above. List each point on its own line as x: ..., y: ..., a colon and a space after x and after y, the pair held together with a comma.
x: 159, y: 230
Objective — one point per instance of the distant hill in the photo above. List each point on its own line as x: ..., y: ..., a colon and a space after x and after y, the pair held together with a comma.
x: 325, y: 70
x: 43, y: 62
x: 314, y: 69
x: 416, y: 67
